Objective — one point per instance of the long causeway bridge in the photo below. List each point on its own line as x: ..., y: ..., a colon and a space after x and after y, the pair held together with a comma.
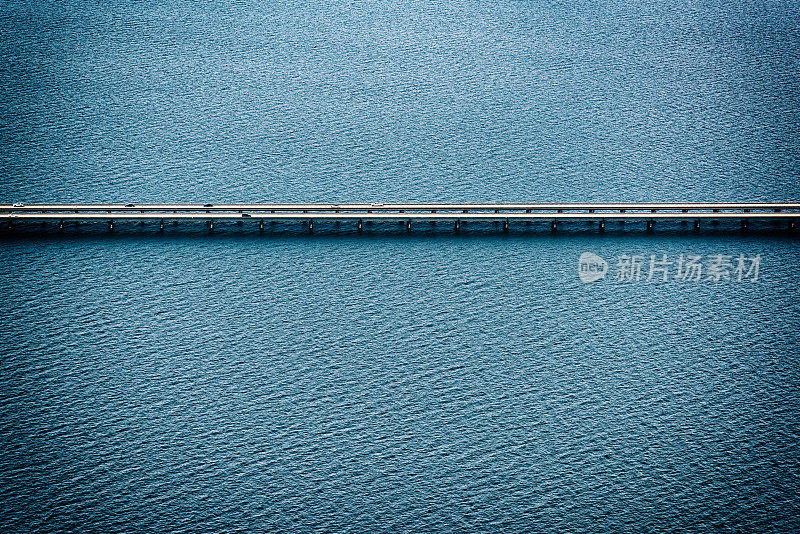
x: 784, y: 215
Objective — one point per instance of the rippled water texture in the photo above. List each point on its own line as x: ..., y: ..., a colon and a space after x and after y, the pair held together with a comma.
x: 405, y: 101
x: 393, y: 382
x: 385, y: 384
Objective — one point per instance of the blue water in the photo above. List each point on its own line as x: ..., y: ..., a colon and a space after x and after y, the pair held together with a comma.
x: 388, y: 382
x: 411, y: 101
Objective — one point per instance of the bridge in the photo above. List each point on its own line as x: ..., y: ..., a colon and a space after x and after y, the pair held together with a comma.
x: 781, y: 214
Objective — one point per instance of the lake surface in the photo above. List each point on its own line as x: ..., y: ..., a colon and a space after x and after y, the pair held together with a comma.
x: 388, y: 382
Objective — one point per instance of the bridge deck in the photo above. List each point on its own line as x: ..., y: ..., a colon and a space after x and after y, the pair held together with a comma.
x: 696, y: 211
x: 402, y: 211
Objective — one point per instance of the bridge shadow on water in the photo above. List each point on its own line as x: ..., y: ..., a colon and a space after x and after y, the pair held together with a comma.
x: 391, y: 229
